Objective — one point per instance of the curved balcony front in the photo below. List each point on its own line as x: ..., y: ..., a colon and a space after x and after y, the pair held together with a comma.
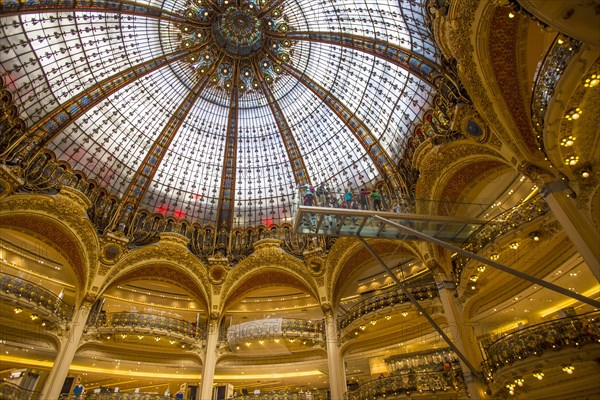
x: 276, y: 330
x: 31, y: 295
x: 14, y: 392
x: 149, y: 324
x: 384, y: 300
x: 576, y: 331
x: 440, y: 384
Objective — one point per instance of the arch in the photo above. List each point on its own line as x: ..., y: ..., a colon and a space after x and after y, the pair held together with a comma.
x: 165, y: 263
x: 448, y: 173
x: 267, y: 266
x: 348, y: 254
x: 61, y: 223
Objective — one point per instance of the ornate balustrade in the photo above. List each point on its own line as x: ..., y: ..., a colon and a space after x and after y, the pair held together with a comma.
x: 275, y: 328
x: 23, y: 289
x: 558, y: 57
x: 408, y: 383
x: 567, y: 332
x: 509, y: 220
x: 132, y: 320
x: 10, y: 391
x: 388, y: 298
x: 117, y: 396
x: 314, y: 395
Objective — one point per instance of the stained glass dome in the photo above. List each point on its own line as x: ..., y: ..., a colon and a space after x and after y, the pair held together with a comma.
x: 215, y: 111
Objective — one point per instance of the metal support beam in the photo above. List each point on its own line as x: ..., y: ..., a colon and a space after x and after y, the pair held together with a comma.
x: 422, y: 310
x: 493, y: 264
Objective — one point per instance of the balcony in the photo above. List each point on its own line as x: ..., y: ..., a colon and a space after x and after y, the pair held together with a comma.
x: 570, y: 332
x: 439, y: 384
x: 276, y: 333
x: 34, y: 296
x: 10, y: 391
x: 384, y: 300
x: 159, y: 325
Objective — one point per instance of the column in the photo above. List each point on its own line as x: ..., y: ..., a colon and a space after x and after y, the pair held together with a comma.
x: 68, y: 347
x: 337, y: 373
x: 210, y: 360
x: 584, y: 236
x: 463, y: 338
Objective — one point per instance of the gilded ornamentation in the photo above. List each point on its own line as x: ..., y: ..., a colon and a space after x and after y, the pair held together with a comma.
x: 169, y: 252
x: 218, y: 267
x: 269, y: 264
x: 314, y: 260
x: 459, y: 26
x: 468, y: 174
x: 11, y: 178
x: 65, y: 226
x: 435, y: 165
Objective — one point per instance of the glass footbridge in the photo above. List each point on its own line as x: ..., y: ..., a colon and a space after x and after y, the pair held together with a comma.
x: 383, y: 224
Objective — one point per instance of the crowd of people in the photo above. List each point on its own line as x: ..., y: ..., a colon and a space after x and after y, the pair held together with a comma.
x: 363, y: 199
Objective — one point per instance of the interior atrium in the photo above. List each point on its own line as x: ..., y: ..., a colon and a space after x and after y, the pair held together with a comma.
x: 300, y: 199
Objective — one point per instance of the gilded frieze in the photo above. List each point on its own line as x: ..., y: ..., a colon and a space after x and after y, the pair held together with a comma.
x: 459, y: 27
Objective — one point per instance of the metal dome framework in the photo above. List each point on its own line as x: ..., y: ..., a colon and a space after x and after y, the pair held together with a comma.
x: 181, y: 109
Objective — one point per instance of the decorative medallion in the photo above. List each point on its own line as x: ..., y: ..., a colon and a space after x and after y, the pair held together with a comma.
x: 241, y: 37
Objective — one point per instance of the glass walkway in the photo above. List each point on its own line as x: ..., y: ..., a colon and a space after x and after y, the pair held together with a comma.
x: 375, y: 224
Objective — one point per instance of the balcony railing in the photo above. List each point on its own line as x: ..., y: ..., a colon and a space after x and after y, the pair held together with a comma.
x: 567, y: 332
x: 507, y: 221
x: 10, y: 391
x: 314, y: 395
x: 23, y: 289
x: 558, y: 57
x: 409, y: 383
x: 116, y: 396
x: 389, y: 298
x: 275, y: 328
x: 132, y: 320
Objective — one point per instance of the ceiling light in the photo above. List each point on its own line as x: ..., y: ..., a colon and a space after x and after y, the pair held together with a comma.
x: 592, y: 81
x: 123, y: 335
x: 494, y: 257
x: 568, y: 368
x: 473, y: 278
x: 18, y: 310
x: 538, y: 374
x: 519, y: 381
x: 568, y: 141
x: 404, y: 314
x: 481, y: 268
x: 140, y: 337
x: 514, y: 245
x: 573, y: 160
x: 34, y: 317
x: 511, y: 15
x: 573, y: 114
